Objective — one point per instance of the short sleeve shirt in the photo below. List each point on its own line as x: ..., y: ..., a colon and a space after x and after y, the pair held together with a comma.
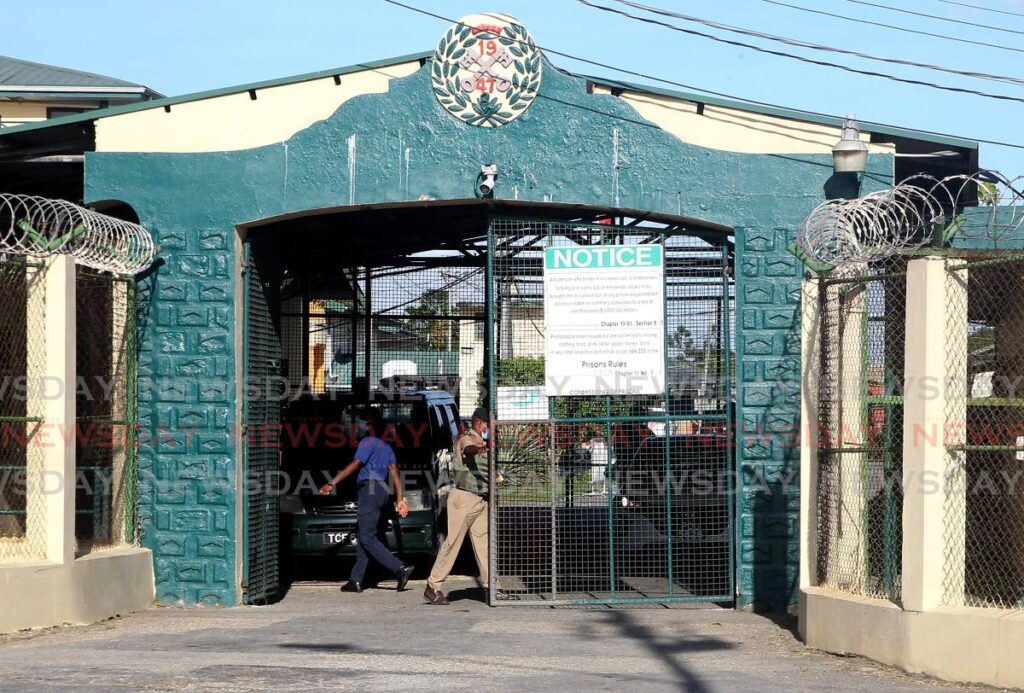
x: 471, y: 475
x: 376, y: 456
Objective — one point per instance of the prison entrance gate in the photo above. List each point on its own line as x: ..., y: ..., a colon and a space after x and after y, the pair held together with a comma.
x: 611, y: 499
x: 594, y: 498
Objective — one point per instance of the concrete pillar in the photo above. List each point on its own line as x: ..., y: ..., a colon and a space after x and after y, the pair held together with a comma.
x: 810, y: 383
x: 121, y: 359
x: 35, y: 361
x: 936, y: 336
x: 59, y: 410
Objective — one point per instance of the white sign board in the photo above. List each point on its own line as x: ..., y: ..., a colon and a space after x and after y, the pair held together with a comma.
x: 604, y: 320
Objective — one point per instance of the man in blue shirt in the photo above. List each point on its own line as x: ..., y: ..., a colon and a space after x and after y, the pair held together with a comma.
x: 375, y: 462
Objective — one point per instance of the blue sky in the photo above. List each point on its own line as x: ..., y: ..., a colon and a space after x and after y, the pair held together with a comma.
x: 180, y: 46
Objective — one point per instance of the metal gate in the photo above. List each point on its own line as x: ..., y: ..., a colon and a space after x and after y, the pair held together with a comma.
x: 262, y: 418
x: 611, y: 499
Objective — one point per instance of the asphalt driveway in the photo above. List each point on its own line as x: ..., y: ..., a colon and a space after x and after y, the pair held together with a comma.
x: 319, y: 639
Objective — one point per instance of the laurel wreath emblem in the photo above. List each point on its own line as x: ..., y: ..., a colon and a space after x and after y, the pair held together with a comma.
x: 486, y: 109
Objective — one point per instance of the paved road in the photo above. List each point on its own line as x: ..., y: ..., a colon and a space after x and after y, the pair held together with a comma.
x: 319, y: 639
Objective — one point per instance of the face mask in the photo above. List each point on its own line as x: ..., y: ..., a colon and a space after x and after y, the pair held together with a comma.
x: 485, y: 435
x: 362, y: 429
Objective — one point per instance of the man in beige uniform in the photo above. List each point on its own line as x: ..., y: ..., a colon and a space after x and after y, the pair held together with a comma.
x: 467, y: 508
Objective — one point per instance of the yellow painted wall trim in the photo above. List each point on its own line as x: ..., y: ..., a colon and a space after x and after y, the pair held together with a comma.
x: 235, y: 121
x: 734, y: 130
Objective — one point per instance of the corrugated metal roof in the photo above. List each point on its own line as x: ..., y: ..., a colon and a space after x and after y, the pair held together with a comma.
x: 23, y: 73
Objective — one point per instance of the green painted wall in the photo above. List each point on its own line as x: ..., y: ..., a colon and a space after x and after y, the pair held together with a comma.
x: 560, y: 150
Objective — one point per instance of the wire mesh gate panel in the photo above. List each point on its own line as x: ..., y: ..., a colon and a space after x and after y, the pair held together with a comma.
x: 22, y: 364
x: 984, y: 432
x: 262, y: 422
x: 859, y: 495
x: 421, y: 325
x: 105, y: 419
x: 610, y: 499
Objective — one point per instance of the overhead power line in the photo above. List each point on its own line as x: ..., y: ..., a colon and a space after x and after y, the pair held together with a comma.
x: 800, y: 58
x: 816, y: 46
x: 935, y: 16
x: 711, y: 92
x: 903, y: 29
x: 983, y: 9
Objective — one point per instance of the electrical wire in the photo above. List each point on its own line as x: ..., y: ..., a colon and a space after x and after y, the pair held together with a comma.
x: 816, y: 46
x: 983, y: 9
x: 708, y: 92
x: 937, y: 17
x: 812, y: 61
x: 904, y: 29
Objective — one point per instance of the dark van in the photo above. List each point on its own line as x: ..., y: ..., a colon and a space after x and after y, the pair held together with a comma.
x: 420, y: 426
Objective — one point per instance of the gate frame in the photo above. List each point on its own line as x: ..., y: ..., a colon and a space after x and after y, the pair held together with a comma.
x: 247, y: 266
x: 485, y: 210
x: 727, y: 416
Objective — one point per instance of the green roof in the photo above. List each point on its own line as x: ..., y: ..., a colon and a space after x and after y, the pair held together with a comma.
x: 24, y: 76
x: 697, y: 97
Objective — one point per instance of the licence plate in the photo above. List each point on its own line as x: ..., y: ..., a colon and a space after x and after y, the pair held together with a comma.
x: 339, y: 538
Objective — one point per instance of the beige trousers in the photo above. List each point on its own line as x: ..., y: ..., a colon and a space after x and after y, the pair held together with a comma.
x: 466, y: 512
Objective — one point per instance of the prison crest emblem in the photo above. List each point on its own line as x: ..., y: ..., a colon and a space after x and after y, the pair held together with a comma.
x: 486, y: 70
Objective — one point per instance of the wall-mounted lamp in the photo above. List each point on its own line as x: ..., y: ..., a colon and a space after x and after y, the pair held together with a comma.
x: 850, y: 155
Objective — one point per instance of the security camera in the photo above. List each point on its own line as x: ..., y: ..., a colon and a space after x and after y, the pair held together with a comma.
x: 486, y: 180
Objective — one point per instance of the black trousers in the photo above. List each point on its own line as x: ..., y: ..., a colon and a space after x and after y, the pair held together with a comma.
x: 373, y: 495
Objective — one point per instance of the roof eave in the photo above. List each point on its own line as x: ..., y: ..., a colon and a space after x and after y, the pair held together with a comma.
x: 790, y: 114
x: 168, y: 101
x: 45, y: 88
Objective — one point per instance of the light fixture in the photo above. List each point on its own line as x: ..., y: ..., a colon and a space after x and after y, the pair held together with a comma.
x: 850, y: 155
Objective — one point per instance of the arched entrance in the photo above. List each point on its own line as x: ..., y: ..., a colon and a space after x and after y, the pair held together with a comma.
x: 610, y: 482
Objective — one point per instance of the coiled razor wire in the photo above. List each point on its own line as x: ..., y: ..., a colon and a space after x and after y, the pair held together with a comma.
x: 871, y: 227
x: 907, y: 216
x: 38, y: 226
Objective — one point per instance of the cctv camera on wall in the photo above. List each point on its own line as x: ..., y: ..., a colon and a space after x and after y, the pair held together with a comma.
x: 486, y: 180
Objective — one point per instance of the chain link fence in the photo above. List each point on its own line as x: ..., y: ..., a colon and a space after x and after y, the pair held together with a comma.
x: 984, y: 432
x: 862, y: 310
x: 22, y: 364
x: 624, y: 498
x: 105, y: 479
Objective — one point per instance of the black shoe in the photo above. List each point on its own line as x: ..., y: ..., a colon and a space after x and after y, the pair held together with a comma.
x: 351, y: 586
x: 403, y: 576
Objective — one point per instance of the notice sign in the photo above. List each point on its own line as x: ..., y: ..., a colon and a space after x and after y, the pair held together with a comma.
x: 604, y: 320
